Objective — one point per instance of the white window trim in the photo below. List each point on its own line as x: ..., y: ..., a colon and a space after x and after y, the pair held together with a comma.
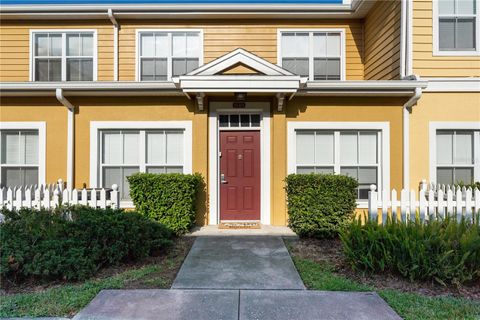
x: 436, y: 27
x: 64, y: 49
x: 383, y: 127
x: 40, y: 126
x: 216, y: 108
x: 462, y: 125
x: 310, y: 58
x: 169, y: 66
x: 97, y: 126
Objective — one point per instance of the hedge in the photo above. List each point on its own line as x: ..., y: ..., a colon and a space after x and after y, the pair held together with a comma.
x: 320, y: 205
x: 74, y: 243
x: 446, y: 251
x: 167, y: 198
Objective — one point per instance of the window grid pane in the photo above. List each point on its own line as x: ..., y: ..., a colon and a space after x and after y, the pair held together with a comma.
x: 358, y: 156
x: 325, y: 56
x: 455, y: 160
x: 49, y: 59
x: 457, y: 25
x: 121, y: 150
x: 19, y: 158
x: 165, y: 54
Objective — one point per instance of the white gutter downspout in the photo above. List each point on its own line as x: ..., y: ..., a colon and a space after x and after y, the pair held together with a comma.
x: 115, y: 44
x: 406, y: 136
x: 70, y: 136
x: 403, y: 38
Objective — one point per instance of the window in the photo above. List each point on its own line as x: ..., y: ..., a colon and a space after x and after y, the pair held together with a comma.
x: 64, y: 56
x: 455, y: 156
x: 239, y: 120
x: 350, y: 152
x: 317, y: 55
x: 125, y: 152
x: 19, y: 158
x: 456, y: 22
x: 163, y: 55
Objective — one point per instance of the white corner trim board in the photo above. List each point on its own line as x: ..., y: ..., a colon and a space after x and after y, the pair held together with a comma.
x: 41, y: 126
x: 217, y: 108
x: 96, y: 126
x: 383, y: 127
x: 451, y: 125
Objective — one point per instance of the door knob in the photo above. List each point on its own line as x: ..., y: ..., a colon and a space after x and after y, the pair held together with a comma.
x: 222, y: 178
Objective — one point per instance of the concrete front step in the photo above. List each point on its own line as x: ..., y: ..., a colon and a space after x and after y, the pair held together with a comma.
x: 238, y: 262
x: 236, y: 305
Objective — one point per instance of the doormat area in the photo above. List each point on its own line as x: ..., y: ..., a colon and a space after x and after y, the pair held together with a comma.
x: 239, y: 225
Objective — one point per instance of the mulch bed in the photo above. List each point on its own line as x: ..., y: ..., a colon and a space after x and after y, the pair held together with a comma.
x: 330, y: 252
x: 170, y: 261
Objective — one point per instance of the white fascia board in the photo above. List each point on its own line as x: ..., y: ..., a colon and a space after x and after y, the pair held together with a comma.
x: 235, y: 85
x: 367, y: 85
x: 453, y: 85
x: 100, y: 85
x: 88, y: 88
x: 355, y: 9
x: 176, y: 7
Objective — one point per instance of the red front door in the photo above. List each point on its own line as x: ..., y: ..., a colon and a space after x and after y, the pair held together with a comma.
x: 240, y: 175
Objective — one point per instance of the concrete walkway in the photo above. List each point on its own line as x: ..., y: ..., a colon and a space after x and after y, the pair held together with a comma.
x: 237, y: 278
x: 236, y: 305
x: 238, y: 262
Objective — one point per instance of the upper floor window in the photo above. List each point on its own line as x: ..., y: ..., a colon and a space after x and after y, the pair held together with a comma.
x: 64, y: 56
x: 166, y: 54
x: 318, y: 55
x: 457, y: 26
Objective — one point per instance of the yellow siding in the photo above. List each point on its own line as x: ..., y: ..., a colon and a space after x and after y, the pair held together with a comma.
x: 382, y: 41
x: 220, y: 37
x: 259, y: 37
x: 425, y: 63
x: 455, y: 107
x: 15, y: 46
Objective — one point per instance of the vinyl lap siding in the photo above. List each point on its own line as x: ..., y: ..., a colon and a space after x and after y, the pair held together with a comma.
x: 427, y: 65
x: 220, y: 37
x: 15, y: 47
x: 258, y: 37
x: 382, y: 41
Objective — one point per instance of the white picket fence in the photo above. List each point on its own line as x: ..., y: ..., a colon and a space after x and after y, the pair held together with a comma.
x: 54, y: 195
x: 430, y: 202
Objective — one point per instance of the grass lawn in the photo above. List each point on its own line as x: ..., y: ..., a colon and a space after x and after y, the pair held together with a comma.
x: 68, y: 299
x: 410, y: 306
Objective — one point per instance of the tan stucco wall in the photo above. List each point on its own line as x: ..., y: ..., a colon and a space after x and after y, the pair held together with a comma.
x: 162, y: 108
x: 55, y: 117
x: 454, y: 106
x: 332, y: 110
x: 105, y: 109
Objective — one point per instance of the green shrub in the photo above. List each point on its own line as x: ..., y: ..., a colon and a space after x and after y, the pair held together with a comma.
x: 73, y: 243
x: 167, y: 198
x: 320, y: 205
x: 446, y: 251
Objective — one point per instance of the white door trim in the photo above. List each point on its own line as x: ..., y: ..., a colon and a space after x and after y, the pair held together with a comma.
x: 215, y: 108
